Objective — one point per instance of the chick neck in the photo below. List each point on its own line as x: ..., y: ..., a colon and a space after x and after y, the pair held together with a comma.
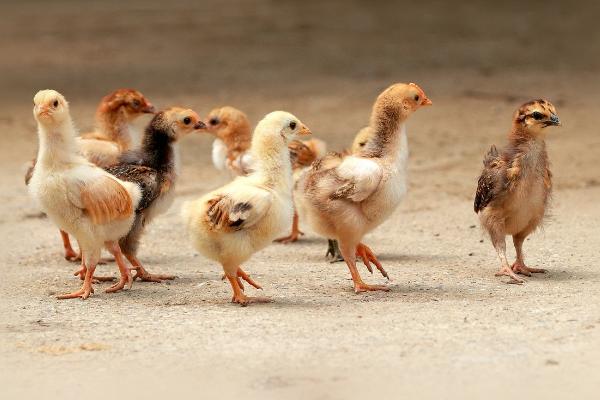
x: 158, y: 149
x: 387, y: 125
x: 237, y: 139
x: 114, y: 124
x: 520, y: 134
x: 271, y: 162
x: 57, y: 143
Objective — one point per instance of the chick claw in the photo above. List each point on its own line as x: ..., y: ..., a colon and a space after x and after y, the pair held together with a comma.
x: 244, y: 300
x: 145, y: 276
x: 509, y: 272
x: 522, y: 269
x: 95, y: 279
x: 366, y: 254
x: 291, y: 238
x: 124, y: 282
x: 363, y: 287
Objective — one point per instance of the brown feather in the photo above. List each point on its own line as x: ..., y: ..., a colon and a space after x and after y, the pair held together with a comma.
x: 105, y: 200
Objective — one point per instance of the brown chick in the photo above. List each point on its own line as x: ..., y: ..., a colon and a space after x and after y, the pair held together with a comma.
x: 516, y: 183
x: 344, y: 198
x: 233, y: 136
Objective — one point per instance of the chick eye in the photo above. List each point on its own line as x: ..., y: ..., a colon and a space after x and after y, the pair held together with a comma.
x: 55, y: 104
x: 136, y: 103
x: 187, y: 120
x: 416, y: 97
x: 537, y: 115
x: 213, y: 121
x: 293, y: 125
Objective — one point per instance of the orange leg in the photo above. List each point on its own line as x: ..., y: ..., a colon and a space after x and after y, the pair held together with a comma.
x: 363, y: 251
x: 95, y: 279
x: 126, y: 280
x: 145, y: 276
x: 359, y: 285
x: 70, y: 254
x: 294, y: 235
x: 238, y: 293
x: 86, y: 288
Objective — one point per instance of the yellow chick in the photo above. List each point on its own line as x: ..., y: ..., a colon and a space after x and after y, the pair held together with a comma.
x: 344, y: 198
x: 81, y: 198
x: 231, y: 223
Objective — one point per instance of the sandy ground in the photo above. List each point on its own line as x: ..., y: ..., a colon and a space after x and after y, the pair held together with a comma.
x: 448, y: 328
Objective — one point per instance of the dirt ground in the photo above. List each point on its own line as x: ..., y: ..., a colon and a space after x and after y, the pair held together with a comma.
x: 447, y: 329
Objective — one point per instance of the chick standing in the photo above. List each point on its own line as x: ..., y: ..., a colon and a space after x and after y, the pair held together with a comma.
x: 79, y: 197
x: 155, y: 169
x: 233, y: 222
x: 515, y: 185
x: 346, y: 197
x: 114, y: 116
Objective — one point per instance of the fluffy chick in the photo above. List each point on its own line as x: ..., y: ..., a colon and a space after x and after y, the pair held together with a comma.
x: 230, y: 224
x: 154, y: 168
x: 346, y: 197
x: 114, y: 116
x: 233, y: 136
x: 515, y: 185
x: 79, y: 197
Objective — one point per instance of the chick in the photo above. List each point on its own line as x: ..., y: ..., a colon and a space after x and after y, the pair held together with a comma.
x: 515, y: 185
x: 302, y: 154
x: 233, y: 133
x: 114, y: 116
x: 346, y: 197
x: 360, y: 141
x: 231, y: 223
x: 155, y: 169
x: 78, y: 196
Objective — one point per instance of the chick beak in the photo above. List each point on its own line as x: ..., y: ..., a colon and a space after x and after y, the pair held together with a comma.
x: 149, y: 109
x: 200, y: 125
x: 304, y: 131
x: 426, y: 102
x: 554, y: 120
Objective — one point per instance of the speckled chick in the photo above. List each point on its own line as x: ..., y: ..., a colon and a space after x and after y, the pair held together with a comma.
x: 515, y: 185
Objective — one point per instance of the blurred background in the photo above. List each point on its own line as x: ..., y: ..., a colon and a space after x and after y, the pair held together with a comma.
x: 447, y: 320
x: 325, y: 61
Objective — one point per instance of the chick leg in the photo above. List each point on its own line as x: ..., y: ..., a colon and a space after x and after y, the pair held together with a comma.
x: 70, y: 254
x: 95, y: 279
x: 363, y: 251
x: 238, y: 294
x: 499, y: 242
x: 294, y: 235
x: 145, y: 276
x: 348, y: 252
x: 519, y: 266
x: 241, y: 274
x: 333, y: 251
x: 86, y: 288
x: 126, y: 280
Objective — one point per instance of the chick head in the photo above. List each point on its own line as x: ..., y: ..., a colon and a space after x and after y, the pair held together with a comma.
x: 402, y: 99
x: 129, y: 101
x: 50, y: 107
x: 281, y: 124
x: 536, y: 115
x: 179, y: 122
x: 227, y: 119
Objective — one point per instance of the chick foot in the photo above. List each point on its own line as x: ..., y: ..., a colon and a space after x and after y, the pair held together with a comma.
x: 238, y: 295
x: 366, y: 254
x: 507, y: 271
x: 241, y: 274
x: 95, y: 279
x: 520, y: 268
x: 360, y: 287
x: 145, y: 276
x: 291, y: 238
x: 126, y: 280
x: 333, y: 251
x: 70, y: 253
x: 86, y: 288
